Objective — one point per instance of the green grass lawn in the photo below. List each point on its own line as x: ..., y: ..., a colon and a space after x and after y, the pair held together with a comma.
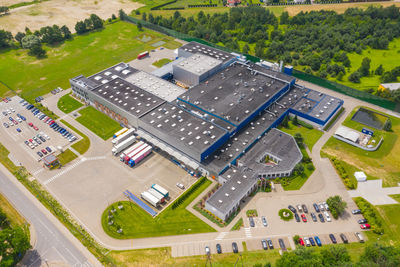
x: 67, y: 104
x: 13, y: 216
x: 81, y: 146
x: 99, y: 123
x: 383, y: 163
x: 136, y: 223
x: 396, y: 197
x: 74, y: 57
x: 310, y: 136
x: 66, y: 157
x: 161, y: 62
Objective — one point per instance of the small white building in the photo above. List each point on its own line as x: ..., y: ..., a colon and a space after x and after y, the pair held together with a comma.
x: 360, y: 176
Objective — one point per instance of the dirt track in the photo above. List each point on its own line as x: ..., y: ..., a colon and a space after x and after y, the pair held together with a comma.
x: 62, y: 12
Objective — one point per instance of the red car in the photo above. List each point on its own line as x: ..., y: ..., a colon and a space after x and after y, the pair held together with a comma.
x: 36, y: 128
x: 303, y: 217
x: 44, y: 151
x: 5, y: 100
x: 30, y: 140
x: 30, y: 124
x: 365, y: 226
x: 301, y: 241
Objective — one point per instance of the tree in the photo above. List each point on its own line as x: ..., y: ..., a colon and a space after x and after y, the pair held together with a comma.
x: 113, y: 17
x: 299, y: 168
x: 151, y: 18
x: 37, y: 50
x: 245, y: 49
x: 139, y: 26
x: 144, y: 16
x: 80, y: 27
x: 388, y: 125
x: 285, y: 122
x: 380, y: 255
x: 340, y: 76
x: 388, y: 77
x: 66, y: 32
x: 299, y: 139
x: 5, y: 38
x: 284, y: 19
x: 296, y: 239
x: 97, y: 22
x: 379, y: 70
x: 335, y: 256
x: 122, y: 14
x: 30, y: 41
x: 18, y: 37
x: 354, y: 77
x: 4, y: 10
x: 365, y: 66
x: 295, y: 120
x: 337, y: 205
x: 299, y: 257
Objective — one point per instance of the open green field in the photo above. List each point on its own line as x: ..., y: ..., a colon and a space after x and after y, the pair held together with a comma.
x: 161, y: 62
x: 310, y: 136
x: 388, y: 58
x: 391, y: 217
x: 67, y: 104
x: 12, y: 214
x: 99, y: 123
x: 66, y: 156
x: 396, y: 197
x: 81, y: 146
x: 162, y: 257
x: 115, y: 43
x: 136, y: 223
x: 383, y: 163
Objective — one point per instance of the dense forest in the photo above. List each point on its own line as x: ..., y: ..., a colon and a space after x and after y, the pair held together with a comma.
x: 317, y: 41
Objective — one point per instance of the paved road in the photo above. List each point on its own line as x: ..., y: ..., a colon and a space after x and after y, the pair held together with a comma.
x: 52, y: 246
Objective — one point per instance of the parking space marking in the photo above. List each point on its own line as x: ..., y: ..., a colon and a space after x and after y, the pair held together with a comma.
x: 37, y: 171
x: 96, y: 158
x: 12, y: 136
x: 29, y: 151
x: 247, y: 231
x: 64, y: 171
x: 221, y: 235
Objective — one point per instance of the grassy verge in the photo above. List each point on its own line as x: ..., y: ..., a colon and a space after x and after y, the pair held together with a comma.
x: 46, y: 110
x: 396, y: 197
x: 239, y: 224
x: 13, y: 215
x: 99, y: 123
x: 382, y: 163
x: 176, y: 221
x: 74, y: 57
x: 66, y: 157
x: 161, y: 62
x: 311, y: 136
x: 55, y: 208
x: 332, y: 121
x: 67, y: 104
x: 83, y: 145
x: 162, y: 257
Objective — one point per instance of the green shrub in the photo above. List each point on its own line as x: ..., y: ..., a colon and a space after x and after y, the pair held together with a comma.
x: 282, y: 211
x: 370, y: 213
x: 251, y: 213
x: 190, y: 191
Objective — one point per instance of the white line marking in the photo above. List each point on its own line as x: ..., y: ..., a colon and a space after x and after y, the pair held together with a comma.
x: 64, y: 171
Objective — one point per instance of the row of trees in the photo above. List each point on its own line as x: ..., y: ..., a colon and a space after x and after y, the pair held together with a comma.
x: 94, y: 22
x: 4, y: 10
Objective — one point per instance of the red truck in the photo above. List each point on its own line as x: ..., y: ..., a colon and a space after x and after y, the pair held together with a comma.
x: 143, y: 55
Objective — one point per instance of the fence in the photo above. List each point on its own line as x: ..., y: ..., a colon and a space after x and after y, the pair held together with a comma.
x: 361, y: 95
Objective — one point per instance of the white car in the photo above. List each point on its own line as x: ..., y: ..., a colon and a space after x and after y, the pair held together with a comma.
x: 328, y: 217
x: 19, y: 120
x: 326, y: 205
x: 307, y: 241
x: 207, y: 250
x: 12, y: 110
x: 299, y: 208
x: 322, y: 207
x: 181, y: 186
x: 34, y: 143
x: 8, y: 111
x: 31, y: 146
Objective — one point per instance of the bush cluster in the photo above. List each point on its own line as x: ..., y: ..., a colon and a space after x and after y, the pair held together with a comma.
x: 190, y: 191
x: 251, y: 213
x: 343, y: 174
x: 288, y: 218
x: 370, y: 213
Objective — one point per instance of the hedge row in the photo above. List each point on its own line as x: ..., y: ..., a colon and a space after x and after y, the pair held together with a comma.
x: 343, y: 174
x: 190, y: 191
x: 371, y: 214
x: 305, y: 124
x: 164, y: 4
x: 214, y: 5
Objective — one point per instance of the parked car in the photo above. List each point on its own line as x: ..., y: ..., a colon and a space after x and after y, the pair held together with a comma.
x: 301, y: 241
x: 264, y: 244
x: 281, y: 244
x: 264, y: 221
x: 321, y: 217
x: 252, y: 224
x: 219, y: 249
x: 359, y: 237
x: 362, y: 221
x: 44, y: 151
x: 357, y: 211
x: 300, y: 209
x: 48, y: 149
x: 316, y: 207
x: 39, y: 153
x: 181, y: 186
x: 19, y: 130
x: 312, y: 241
x: 328, y: 217
x: 318, y: 241
x: 344, y: 238
x: 26, y: 142
x: 6, y: 125
x: 304, y: 218
x: 292, y: 209
x: 313, y: 217
x: 235, y: 247
x: 326, y: 206
x: 270, y: 245
x: 30, y: 124
x: 333, y: 238
x: 321, y: 207
x: 304, y: 208
x: 207, y: 250
x: 365, y: 226
x: 296, y: 216
x: 36, y: 128
x: 307, y: 242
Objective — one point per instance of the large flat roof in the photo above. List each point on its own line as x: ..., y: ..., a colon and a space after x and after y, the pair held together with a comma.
x: 199, y: 63
x: 157, y: 86
x: 195, y: 47
x: 234, y: 93
x: 186, y: 128
x: 128, y: 96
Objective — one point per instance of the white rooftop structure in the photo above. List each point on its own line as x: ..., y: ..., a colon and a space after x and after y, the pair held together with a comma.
x: 157, y: 86
x: 348, y: 133
x: 199, y: 63
x: 391, y: 86
x: 360, y: 176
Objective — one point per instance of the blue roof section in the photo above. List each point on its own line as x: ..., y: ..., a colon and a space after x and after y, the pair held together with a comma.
x: 140, y: 203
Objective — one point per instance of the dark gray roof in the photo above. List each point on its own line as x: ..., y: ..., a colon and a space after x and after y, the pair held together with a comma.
x: 234, y: 93
x: 194, y: 47
x: 186, y: 128
x: 128, y: 96
x: 122, y: 70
